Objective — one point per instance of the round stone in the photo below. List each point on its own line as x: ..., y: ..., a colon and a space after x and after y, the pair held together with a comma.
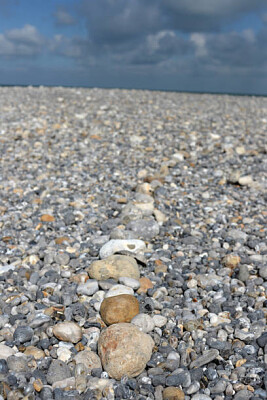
x: 23, y: 334
x: 88, y: 288
x: 144, y: 322
x: 68, y: 331
x: 120, y: 308
x: 124, y: 350
x: 173, y: 393
x: 58, y: 371
x: 89, y: 358
x: 115, y: 266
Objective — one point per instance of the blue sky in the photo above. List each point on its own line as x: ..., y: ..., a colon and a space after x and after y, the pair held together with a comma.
x: 187, y: 45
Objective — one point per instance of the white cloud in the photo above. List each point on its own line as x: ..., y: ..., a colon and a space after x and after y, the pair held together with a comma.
x: 26, y: 41
x: 199, y: 40
x: 64, y: 18
x: 28, y: 34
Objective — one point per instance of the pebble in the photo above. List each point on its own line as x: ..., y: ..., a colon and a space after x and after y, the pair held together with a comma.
x: 115, y: 246
x: 23, y: 334
x: 115, y: 267
x: 145, y: 229
x: 117, y: 290
x: 57, y: 371
x: 173, y: 393
x: 144, y: 322
x: 88, y: 288
x: 121, y: 308
x: 204, y: 359
x: 159, y: 320
x: 133, y: 283
x: 124, y: 350
x: 68, y: 331
x: 89, y: 359
x: 6, y: 351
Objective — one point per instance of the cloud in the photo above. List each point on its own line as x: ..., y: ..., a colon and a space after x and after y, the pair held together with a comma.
x: 24, y: 42
x: 63, y: 18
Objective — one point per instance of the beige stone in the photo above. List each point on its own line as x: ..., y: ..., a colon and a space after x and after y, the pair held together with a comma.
x: 145, y: 284
x: 89, y: 358
x: 35, y: 352
x: 124, y: 350
x: 231, y: 260
x: 114, y: 266
x: 120, y: 308
x: 68, y: 331
x: 173, y: 393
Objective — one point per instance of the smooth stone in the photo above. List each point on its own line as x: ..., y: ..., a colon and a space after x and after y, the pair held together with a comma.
x: 263, y: 272
x: 243, y: 394
x: 35, y: 352
x: 6, y: 351
x: 205, y: 280
x: 159, y: 320
x: 6, y: 268
x: 146, y: 229
x: 231, y: 260
x: 201, y: 396
x: 120, y: 308
x: 64, y: 354
x: 246, y: 180
x: 144, y: 322
x: 88, y: 288
x: 206, y: 357
x: 114, y: 267
x: 133, y: 283
x: 145, y: 284
x: 17, y: 364
x: 122, y: 234
x: 193, y: 388
x: 114, y: 246
x: 23, y: 334
x: 57, y: 371
x: 243, y: 273
x: 68, y: 331
x: 65, y: 383
x: 124, y: 350
x: 237, y: 235
x: 262, y: 340
x: 116, y: 290
x: 173, y: 393
x: 89, y: 358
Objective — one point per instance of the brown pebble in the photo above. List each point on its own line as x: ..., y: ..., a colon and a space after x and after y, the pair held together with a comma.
x: 47, y: 218
x: 121, y: 308
x: 173, y: 393
x: 145, y: 284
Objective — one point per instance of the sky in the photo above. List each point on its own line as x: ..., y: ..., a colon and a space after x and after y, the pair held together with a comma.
x: 178, y: 45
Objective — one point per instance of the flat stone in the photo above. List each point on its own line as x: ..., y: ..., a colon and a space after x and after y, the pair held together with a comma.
x: 114, y: 246
x: 121, y: 308
x: 206, y: 358
x: 145, y: 284
x: 35, y: 352
x: 89, y: 358
x: 205, y: 280
x: 133, y: 283
x: 23, y: 334
x: 6, y: 351
x: 114, y: 267
x: 231, y: 260
x: 17, y: 364
x: 146, y: 229
x: 116, y: 290
x: 88, y: 288
x: 57, y: 371
x: 144, y: 322
x: 159, y: 320
x: 173, y: 393
x: 201, y: 396
x: 124, y: 350
x: 68, y: 331
x: 237, y: 235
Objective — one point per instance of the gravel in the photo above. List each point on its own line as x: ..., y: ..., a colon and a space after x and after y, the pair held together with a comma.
x: 174, y: 181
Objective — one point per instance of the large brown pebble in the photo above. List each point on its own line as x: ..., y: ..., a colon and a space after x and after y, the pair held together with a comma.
x: 115, y: 267
x: 124, y: 350
x: 121, y: 308
x: 173, y: 393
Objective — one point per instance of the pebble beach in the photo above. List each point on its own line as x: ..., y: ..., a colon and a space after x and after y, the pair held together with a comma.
x: 133, y: 253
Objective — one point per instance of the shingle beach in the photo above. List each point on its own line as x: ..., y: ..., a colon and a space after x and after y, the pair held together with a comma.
x: 133, y: 254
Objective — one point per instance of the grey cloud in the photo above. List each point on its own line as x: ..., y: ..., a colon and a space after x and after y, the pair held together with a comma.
x: 21, y: 42
x: 64, y: 18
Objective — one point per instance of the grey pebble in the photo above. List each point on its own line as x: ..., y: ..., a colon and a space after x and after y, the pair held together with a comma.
x: 58, y: 370
x: 207, y: 357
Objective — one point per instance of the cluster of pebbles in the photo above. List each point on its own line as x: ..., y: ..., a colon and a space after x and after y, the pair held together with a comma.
x: 132, y: 251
